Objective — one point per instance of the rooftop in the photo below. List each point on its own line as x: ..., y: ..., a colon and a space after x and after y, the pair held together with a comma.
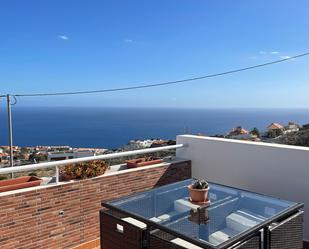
x: 65, y: 214
x: 275, y: 126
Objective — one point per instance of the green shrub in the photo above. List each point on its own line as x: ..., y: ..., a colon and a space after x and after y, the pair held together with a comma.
x: 255, y: 132
x: 274, y: 133
x: 3, y: 178
x: 84, y: 170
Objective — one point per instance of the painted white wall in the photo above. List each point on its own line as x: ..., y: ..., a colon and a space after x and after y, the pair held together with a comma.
x: 69, y: 155
x: 277, y: 170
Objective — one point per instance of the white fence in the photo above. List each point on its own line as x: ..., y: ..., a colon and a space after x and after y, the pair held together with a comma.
x: 57, y: 164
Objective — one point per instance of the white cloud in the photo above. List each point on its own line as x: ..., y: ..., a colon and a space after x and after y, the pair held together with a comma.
x: 128, y: 40
x: 285, y: 57
x: 269, y: 52
x: 63, y: 37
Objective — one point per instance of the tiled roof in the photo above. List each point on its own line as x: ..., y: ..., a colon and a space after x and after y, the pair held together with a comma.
x: 238, y: 131
x: 275, y: 126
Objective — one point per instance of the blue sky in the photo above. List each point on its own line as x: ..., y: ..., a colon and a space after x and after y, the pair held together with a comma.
x: 53, y: 45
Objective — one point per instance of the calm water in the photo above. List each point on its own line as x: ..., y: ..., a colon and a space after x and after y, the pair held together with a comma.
x: 114, y: 127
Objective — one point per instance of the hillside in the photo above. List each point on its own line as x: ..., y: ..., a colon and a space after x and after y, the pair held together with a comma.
x: 300, y: 138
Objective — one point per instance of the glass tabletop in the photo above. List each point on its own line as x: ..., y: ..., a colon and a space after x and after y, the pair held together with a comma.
x: 230, y: 212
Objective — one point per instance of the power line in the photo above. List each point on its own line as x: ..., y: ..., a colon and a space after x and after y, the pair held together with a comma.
x: 162, y: 83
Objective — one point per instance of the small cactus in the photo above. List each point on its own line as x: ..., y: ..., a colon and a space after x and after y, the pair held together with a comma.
x: 200, y: 184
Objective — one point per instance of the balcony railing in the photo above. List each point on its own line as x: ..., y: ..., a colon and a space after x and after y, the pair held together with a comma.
x: 60, y: 163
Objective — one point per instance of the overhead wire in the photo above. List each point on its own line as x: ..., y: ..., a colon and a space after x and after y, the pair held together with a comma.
x: 150, y: 85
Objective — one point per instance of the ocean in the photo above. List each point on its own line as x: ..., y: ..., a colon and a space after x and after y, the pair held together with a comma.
x: 115, y: 127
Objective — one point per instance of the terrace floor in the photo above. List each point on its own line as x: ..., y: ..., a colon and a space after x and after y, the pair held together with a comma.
x: 95, y: 244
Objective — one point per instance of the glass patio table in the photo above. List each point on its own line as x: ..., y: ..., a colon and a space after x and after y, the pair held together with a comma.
x: 168, y: 219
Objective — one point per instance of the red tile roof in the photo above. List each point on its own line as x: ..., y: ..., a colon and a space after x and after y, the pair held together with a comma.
x: 238, y: 131
x: 275, y: 126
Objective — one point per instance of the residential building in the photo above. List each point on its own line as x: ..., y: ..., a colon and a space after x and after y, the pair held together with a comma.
x: 4, y: 157
x: 275, y: 127
x: 292, y: 127
x: 140, y: 143
x: 53, y: 148
x: 56, y: 156
x: 240, y: 133
x: 158, y: 143
x: 239, y: 130
x: 305, y: 126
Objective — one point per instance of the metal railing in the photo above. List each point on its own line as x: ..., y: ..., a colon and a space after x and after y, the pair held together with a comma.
x: 57, y: 164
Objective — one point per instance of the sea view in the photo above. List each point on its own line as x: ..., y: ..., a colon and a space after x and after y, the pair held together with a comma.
x: 154, y: 124
x: 114, y: 127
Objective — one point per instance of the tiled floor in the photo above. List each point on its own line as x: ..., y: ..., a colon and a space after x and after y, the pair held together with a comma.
x: 95, y: 244
x: 305, y: 247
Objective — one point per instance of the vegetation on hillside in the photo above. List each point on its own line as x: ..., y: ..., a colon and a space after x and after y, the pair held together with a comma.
x: 300, y: 138
x: 274, y: 133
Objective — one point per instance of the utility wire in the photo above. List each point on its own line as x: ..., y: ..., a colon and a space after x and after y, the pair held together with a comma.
x: 163, y: 83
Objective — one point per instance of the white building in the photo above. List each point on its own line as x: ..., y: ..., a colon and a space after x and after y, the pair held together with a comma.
x: 56, y: 156
x: 292, y: 127
x: 139, y: 144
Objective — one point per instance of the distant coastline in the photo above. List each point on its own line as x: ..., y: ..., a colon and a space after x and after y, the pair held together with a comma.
x: 112, y: 127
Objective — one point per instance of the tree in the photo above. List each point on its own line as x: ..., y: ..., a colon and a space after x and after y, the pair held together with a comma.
x: 306, y: 127
x: 23, y: 150
x: 37, y: 157
x: 255, y: 132
x: 275, y: 133
x: 171, y: 142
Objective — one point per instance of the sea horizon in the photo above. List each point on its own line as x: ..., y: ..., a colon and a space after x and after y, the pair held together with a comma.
x: 113, y: 127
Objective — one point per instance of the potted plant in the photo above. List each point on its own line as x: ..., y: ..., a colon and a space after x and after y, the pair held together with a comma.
x: 19, y: 183
x: 198, y: 191
x: 145, y: 161
x: 83, y: 170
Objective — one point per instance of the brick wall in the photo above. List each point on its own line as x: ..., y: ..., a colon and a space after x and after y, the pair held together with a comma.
x: 32, y: 219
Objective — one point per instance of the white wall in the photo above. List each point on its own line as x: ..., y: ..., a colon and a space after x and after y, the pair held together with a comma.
x: 277, y: 170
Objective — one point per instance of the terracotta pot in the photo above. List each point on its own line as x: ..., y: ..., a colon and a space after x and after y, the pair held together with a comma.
x: 19, y: 183
x: 198, y: 195
x: 140, y: 162
x: 65, y: 177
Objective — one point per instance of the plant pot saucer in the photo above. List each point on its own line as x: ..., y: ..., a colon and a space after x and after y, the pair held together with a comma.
x: 200, y: 203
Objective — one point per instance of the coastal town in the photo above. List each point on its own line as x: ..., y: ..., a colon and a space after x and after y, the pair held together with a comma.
x: 273, y: 131
x: 291, y: 133
x: 36, y: 154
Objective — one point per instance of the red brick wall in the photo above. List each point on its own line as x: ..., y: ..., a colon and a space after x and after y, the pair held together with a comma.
x: 32, y: 220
